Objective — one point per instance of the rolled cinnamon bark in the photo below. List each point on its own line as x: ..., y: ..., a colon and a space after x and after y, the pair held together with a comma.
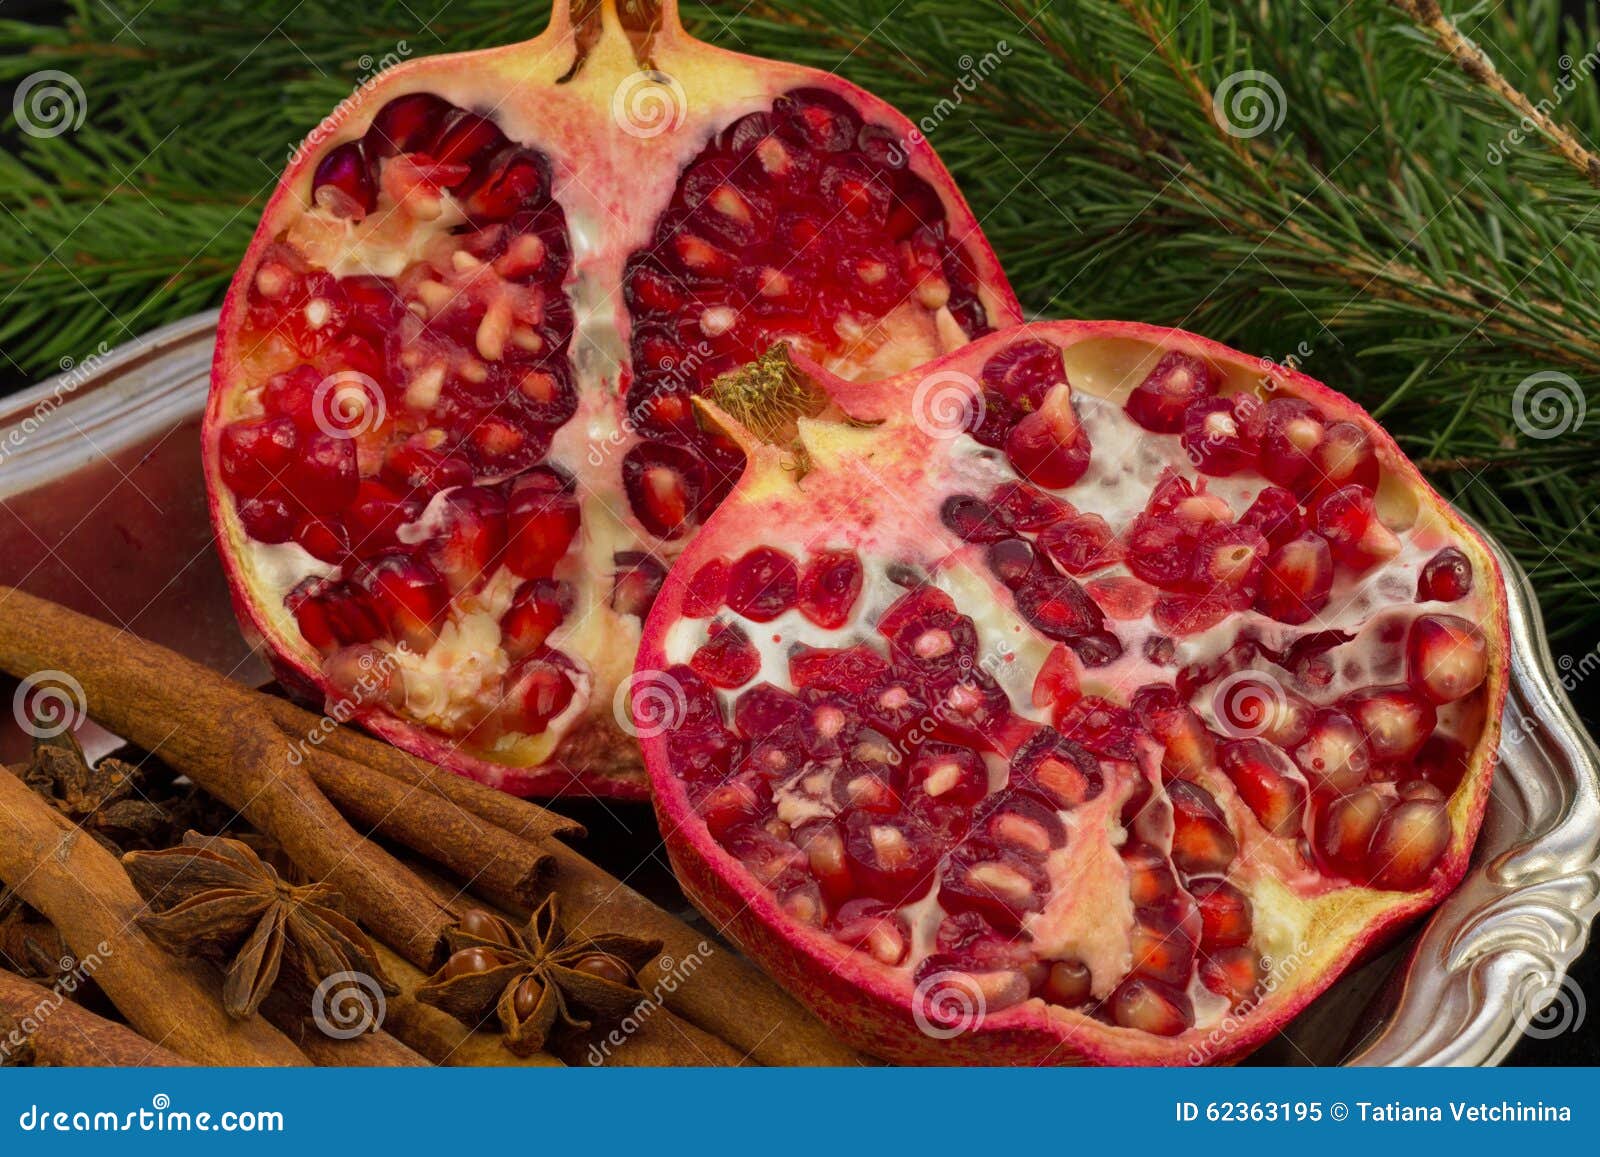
x: 377, y: 1050
x: 81, y: 889
x: 221, y: 736
x: 58, y: 1032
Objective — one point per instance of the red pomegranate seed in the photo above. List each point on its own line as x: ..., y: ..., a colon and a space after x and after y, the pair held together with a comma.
x: 1408, y: 843
x: 1344, y: 457
x: 537, y: 607
x: 764, y: 709
x: 1214, y: 440
x: 1334, y: 753
x: 1029, y: 507
x: 291, y: 395
x: 410, y: 596
x: 516, y: 179
x: 413, y: 466
x: 1267, y: 781
x: 949, y: 774
x: 1012, y: 561
x: 1150, y: 1006
x: 1201, y: 842
x: 1183, y: 614
x: 763, y: 584
x: 636, y: 582
x: 1058, y: 607
x: 892, y: 857
x: 1348, y: 520
x: 323, y: 538
x: 728, y: 659
x: 1150, y: 876
x: 1102, y: 726
x: 1025, y: 372
x: 257, y: 456
x: 1122, y: 598
x: 1228, y: 563
x: 1064, y: 772
x: 1234, y: 973
x: 472, y: 533
x: 1344, y: 828
x: 376, y: 515
x: 541, y: 521
x: 1296, y: 580
x: 1068, y: 983
x: 1178, y: 381
x: 994, y: 882
x: 1081, y: 544
x: 1190, y: 746
x: 1446, y: 577
x: 1049, y: 447
x: 1021, y: 821
x: 829, y: 586
x: 325, y: 476
x: 406, y: 124
x: 1275, y: 513
x: 541, y: 687
x: 872, y: 927
x: 823, y: 845
x: 1395, y: 719
x: 868, y: 788
x: 267, y: 519
x: 342, y: 184
x: 850, y: 670
x: 974, y: 520
x: 707, y: 590
x: 1224, y: 914
x: 1288, y: 431
x: 1446, y: 657
x: 1164, y: 940
x: 1160, y: 549
x: 332, y: 614
x: 1056, y: 684
x: 730, y: 806
x: 1442, y: 762
x: 665, y: 485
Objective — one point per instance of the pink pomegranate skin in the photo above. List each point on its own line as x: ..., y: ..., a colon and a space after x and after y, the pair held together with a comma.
x: 870, y: 1005
x: 580, y: 96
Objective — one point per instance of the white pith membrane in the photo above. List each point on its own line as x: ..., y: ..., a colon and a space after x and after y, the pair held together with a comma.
x: 877, y: 495
x: 517, y: 343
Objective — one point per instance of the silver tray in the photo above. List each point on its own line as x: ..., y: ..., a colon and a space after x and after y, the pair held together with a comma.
x: 102, y: 507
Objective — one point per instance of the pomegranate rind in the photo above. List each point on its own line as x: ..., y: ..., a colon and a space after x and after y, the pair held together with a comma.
x: 612, y: 184
x: 869, y: 1004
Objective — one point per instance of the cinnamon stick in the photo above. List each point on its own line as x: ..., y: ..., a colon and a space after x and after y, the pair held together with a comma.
x: 81, y: 889
x: 366, y: 1050
x: 347, y: 746
x: 55, y: 1031
x: 492, y: 861
x: 221, y: 736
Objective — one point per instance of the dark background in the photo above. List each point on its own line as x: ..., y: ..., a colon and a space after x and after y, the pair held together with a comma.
x: 1578, y: 1047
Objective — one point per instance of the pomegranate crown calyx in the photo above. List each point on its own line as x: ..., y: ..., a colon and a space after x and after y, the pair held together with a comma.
x: 769, y: 396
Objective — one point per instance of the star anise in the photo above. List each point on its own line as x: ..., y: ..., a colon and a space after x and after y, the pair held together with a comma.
x: 536, y: 980
x: 98, y: 797
x: 214, y: 898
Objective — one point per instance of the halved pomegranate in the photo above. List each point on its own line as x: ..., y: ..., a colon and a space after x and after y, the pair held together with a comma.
x: 1138, y: 800
x: 450, y: 416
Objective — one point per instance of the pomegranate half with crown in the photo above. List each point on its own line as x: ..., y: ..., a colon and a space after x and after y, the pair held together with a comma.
x: 1089, y: 697
x: 449, y: 444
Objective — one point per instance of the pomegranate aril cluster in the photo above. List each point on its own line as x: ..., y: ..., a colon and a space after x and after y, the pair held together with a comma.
x: 801, y: 223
